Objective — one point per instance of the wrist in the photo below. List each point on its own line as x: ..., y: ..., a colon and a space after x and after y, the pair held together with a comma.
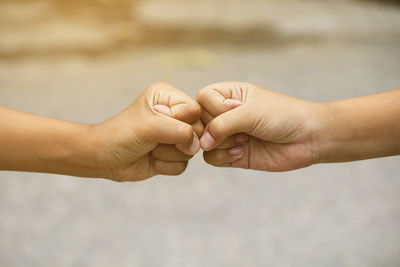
x: 321, y: 134
x: 358, y: 128
x: 66, y: 148
x: 94, y: 152
x: 337, y: 137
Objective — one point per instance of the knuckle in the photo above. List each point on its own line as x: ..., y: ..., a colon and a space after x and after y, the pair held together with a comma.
x: 185, y: 132
x: 202, y: 95
x: 195, y: 110
x: 205, y: 92
x: 192, y: 110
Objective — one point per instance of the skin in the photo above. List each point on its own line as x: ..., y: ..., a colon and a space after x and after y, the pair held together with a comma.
x: 157, y: 134
x: 246, y: 127
x: 253, y: 128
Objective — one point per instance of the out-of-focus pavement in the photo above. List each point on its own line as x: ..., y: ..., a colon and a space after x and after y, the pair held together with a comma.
x: 326, y: 215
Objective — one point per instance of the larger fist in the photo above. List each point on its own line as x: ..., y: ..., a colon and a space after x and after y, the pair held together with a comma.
x: 157, y: 134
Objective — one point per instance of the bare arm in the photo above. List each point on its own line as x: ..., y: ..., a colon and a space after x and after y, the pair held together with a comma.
x: 287, y: 133
x: 39, y: 144
x: 360, y: 128
x: 156, y: 134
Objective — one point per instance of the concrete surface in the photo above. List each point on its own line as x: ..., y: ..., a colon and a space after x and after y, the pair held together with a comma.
x: 327, y: 215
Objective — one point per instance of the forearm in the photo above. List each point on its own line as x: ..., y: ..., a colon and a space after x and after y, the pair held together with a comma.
x: 360, y: 128
x: 40, y: 144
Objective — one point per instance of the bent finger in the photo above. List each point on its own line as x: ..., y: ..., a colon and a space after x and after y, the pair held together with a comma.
x: 170, y: 168
x: 167, y: 130
x: 224, y: 156
x: 191, y: 147
x: 220, y: 98
x: 206, y: 117
x: 166, y: 152
x: 175, y: 103
x: 232, y: 141
x: 235, y: 121
x: 198, y: 128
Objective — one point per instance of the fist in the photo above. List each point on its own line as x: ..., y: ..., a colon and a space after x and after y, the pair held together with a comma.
x: 157, y: 134
x: 253, y: 128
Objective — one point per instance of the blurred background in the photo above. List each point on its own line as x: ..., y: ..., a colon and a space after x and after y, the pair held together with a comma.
x: 85, y: 60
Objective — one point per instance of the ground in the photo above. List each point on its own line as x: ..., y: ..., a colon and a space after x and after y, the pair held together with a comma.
x: 326, y: 215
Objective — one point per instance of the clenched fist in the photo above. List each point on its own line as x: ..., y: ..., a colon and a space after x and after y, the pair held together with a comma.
x: 253, y: 128
x: 246, y: 127
x: 157, y: 134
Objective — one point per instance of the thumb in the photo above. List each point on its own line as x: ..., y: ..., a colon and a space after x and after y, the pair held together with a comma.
x: 173, y: 131
x: 227, y: 124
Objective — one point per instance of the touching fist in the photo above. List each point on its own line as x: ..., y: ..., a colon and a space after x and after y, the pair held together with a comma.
x: 253, y: 128
x: 157, y: 134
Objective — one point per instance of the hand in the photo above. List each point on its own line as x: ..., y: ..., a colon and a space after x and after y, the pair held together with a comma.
x: 249, y: 127
x: 157, y: 134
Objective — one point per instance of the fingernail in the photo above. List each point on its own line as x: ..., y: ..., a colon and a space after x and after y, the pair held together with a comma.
x: 241, y: 138
x: 163, y: 109
x: 195, y: 146
x: 232, y: 102
x: 236, y: 151
x: 207, y: 142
